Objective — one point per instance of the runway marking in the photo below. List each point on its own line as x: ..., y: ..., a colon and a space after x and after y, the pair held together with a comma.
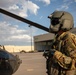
x: 30, y: 69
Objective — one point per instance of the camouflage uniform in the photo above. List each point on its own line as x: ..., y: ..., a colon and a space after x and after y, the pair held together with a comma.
x: 63, y: 62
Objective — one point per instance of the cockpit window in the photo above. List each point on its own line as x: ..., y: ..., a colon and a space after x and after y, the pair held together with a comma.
x: 4, y: 55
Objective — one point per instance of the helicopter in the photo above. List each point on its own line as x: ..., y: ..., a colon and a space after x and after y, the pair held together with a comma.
x: 9, y: 63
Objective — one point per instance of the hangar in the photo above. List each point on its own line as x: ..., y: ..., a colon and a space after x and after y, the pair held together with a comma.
x: 43, y: 42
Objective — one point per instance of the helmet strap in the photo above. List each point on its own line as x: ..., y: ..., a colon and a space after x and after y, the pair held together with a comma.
x: 59, y: 33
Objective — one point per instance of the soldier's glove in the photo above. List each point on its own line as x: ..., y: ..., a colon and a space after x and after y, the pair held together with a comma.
x: 52, y: 51
x: 46, y: 53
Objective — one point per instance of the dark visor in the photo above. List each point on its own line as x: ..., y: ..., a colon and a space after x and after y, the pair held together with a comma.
x: 55, y: 21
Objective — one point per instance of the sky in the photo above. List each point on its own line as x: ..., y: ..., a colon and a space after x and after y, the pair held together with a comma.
x: 14, y: 32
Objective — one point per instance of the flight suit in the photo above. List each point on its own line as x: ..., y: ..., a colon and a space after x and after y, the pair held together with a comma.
x: 63, y: 61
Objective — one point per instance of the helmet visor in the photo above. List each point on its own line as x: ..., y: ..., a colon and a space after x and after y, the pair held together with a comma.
x: 55, y: 21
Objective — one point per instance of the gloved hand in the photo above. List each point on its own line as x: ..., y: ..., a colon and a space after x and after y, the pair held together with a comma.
x: 52, y: 51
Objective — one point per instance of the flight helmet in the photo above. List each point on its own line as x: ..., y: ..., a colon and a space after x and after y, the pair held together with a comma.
x: 60, y: 20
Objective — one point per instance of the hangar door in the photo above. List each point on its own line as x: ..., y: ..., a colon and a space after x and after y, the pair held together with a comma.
x: 41, y: 46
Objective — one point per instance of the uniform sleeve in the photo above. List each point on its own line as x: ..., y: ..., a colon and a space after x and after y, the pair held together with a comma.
x: 67, y: 60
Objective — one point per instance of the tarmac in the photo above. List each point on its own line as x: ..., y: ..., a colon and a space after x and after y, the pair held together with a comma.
x: 32, y: 64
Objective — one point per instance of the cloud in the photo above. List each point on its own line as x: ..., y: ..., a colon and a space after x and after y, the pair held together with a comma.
x: 11, y: 33
x: 14, y: 7
x: 20, y: 37
x: 32, y: 7
x: 20, y: 7
x: 75, y: 0
x: 65, y: 5
x: 47, y: 2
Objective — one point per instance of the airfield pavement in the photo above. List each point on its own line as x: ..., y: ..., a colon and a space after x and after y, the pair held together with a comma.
x: 32, y: 64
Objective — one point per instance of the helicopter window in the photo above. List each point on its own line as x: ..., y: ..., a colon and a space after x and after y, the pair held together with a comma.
x: 11, y: 56
x: 3, y: 55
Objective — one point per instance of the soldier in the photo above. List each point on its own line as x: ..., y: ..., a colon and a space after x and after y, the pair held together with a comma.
x: 62, y: 55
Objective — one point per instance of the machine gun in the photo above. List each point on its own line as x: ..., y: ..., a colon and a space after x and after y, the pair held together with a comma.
x: 48, y: 57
